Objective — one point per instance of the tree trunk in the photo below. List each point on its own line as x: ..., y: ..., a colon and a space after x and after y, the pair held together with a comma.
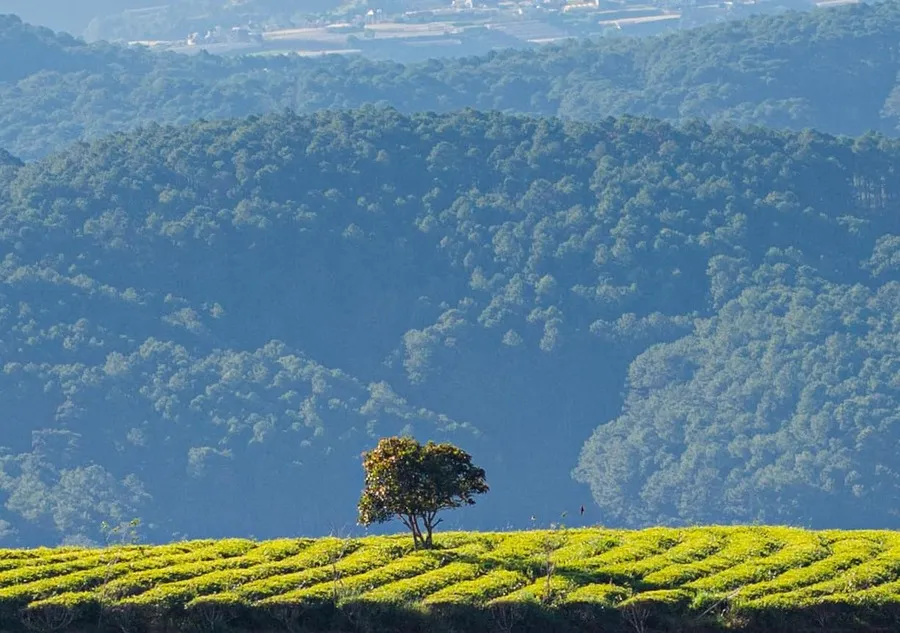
x: 430, y: 524
x: 413, y: 524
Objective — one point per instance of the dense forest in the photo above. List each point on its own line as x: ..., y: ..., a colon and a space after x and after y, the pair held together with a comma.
x: 204, y: 325
x: 831, y: 69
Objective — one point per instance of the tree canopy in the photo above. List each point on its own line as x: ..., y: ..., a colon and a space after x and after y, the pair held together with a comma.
x: 414, y: 482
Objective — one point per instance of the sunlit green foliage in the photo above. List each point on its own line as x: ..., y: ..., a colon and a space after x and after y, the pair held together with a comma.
x: 426, y: 584
x: 845, y: 553
x: 493, y: 584
x: 413, y: 482
x: 353, y: 585
x: 792, y: 575
x: 603, y: 594
x: 749, y: 544
x: 766, y: 564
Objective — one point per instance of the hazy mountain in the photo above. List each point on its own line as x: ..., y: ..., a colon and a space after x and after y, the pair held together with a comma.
x: 778, y: 71
x: 203, y: 326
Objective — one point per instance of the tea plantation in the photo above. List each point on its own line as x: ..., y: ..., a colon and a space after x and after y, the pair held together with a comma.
x: 710, y: 578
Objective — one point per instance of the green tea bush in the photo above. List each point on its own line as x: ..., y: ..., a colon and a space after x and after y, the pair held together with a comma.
x: 585, y: 545
x: 883, y: 568
x: 112, y: 565
x: 741, y: 544
x: 693, y: 545
x: 338, y: 587
x: 47, y: 557
x: 526, y: 545
x: 762, y: 577
x: 799, y: 550
x: 73, y: 599
x: 266, y: 560
x: 126, y: 588
x: 338, y: 559
x: 224, y: 599
x: 641, y: 545
x: 479, y: 590
x: 668, y: 597
x: 39, y: 552
x: 31, y: 572
x: 602, y: 594
x: 845, y: 554
x: 450, y: 540
x: 425, y: 584
x: 544, y: 590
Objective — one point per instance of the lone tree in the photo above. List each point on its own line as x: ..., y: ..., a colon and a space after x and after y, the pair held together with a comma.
x: 413, y: 482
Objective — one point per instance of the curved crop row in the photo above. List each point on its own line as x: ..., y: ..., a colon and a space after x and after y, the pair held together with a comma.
x: 236, y: 554
x: 351, y: 586
x: 479, y: 590
x: 741, y: 546
x: 232, y: 573
x: 845, y: 554
x: 883, y: 569
x: 642, y: 545
x: 797, y: 550
x: 603, y: 594
x: 339, y: 559
x: 424, y: 585
x: 544, y: 590
x: 693, y: 545
x: 156, y: 561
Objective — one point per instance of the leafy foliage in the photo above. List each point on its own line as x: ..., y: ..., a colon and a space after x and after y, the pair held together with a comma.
x: 414, y: 482
x: 753, y: 365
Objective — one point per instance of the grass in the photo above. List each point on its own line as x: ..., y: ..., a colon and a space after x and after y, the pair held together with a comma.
x: 698, y: 579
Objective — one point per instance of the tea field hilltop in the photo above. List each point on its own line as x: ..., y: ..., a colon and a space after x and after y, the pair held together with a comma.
x: 659, y: 579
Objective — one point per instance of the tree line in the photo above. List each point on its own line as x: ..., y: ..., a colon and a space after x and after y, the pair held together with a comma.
x: 830, y: 69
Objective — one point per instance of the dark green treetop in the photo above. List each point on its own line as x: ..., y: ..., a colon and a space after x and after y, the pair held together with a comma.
x: 414, y: 482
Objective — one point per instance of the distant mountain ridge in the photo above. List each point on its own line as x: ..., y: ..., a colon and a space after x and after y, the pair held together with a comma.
x: 831, y: 69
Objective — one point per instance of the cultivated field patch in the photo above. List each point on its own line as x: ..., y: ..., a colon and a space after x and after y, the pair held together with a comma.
x: 732, y: 576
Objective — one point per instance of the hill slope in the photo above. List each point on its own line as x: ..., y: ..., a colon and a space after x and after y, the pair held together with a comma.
x: 204, y: 326
x: 833, y: 70
x: 742, y: 578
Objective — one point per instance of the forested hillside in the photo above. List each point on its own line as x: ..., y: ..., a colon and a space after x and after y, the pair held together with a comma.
x: 204, y: 325
x: 832, y: 69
